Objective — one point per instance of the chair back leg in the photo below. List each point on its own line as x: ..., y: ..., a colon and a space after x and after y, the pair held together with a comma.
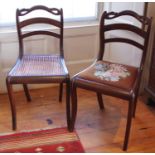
x: 100, y: 100
x: 135, y: 103
x: 60, y: 92
x: 27, y: 94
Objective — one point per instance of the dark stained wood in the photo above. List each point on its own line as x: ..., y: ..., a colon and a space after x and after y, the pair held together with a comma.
x: 26, y: 90
x: 53, y: 69
x: 99, y: 131
x: 60, y: 92
x: 39, y: 20
x: 100, y: 101
x: 127, y: 88
x: 128, y: 27
x: 150, y: 88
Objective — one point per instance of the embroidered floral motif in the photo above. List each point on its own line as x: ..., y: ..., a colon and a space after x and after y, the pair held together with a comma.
x: 111, y: 72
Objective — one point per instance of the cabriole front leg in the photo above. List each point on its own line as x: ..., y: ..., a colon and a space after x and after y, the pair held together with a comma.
x: 74, y: 105
x: 12, y: 103
x: 68, y: 103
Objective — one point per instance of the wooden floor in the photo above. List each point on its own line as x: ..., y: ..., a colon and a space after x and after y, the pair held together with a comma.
x: 99, y: 131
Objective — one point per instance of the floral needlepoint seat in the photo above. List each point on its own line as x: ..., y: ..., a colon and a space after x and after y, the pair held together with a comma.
x: 115, y: 75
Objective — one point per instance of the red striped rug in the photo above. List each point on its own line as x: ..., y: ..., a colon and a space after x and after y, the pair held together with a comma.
x: 45, y: 141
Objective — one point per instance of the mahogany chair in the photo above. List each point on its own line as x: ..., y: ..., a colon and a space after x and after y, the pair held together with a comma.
x: 35, y: 68
x: 114, y: 79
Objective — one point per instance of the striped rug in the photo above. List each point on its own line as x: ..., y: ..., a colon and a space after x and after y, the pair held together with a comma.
x: 50, y: 140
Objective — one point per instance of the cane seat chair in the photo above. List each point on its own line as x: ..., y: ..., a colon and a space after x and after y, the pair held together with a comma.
x: 111, y: 78
x: 37, y: 68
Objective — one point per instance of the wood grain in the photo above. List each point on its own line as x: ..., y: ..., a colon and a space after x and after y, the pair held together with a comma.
x: 99, y: 130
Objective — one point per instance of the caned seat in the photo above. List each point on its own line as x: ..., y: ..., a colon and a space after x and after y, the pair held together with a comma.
x: 38, y: 65
x: 111, y: 78
x: 39, y: 68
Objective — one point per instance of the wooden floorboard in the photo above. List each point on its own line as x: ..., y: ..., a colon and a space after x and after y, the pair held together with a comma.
x: 99, y: 131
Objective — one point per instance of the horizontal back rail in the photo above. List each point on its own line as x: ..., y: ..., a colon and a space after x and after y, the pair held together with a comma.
x: 40, y: 33
x: 40, y: 20
x: 124, y: 40
x: 126, y: 27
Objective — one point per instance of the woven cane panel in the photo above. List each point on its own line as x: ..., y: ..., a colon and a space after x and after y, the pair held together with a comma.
x: 32, y: 65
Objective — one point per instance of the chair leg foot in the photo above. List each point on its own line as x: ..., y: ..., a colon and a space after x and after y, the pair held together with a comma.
x: 70, y: 129
x: 14, y: 125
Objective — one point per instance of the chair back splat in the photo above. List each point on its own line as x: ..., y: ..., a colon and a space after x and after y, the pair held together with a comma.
x: 111, y: 78
x: 127, y: 27
x: 39, y: 20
